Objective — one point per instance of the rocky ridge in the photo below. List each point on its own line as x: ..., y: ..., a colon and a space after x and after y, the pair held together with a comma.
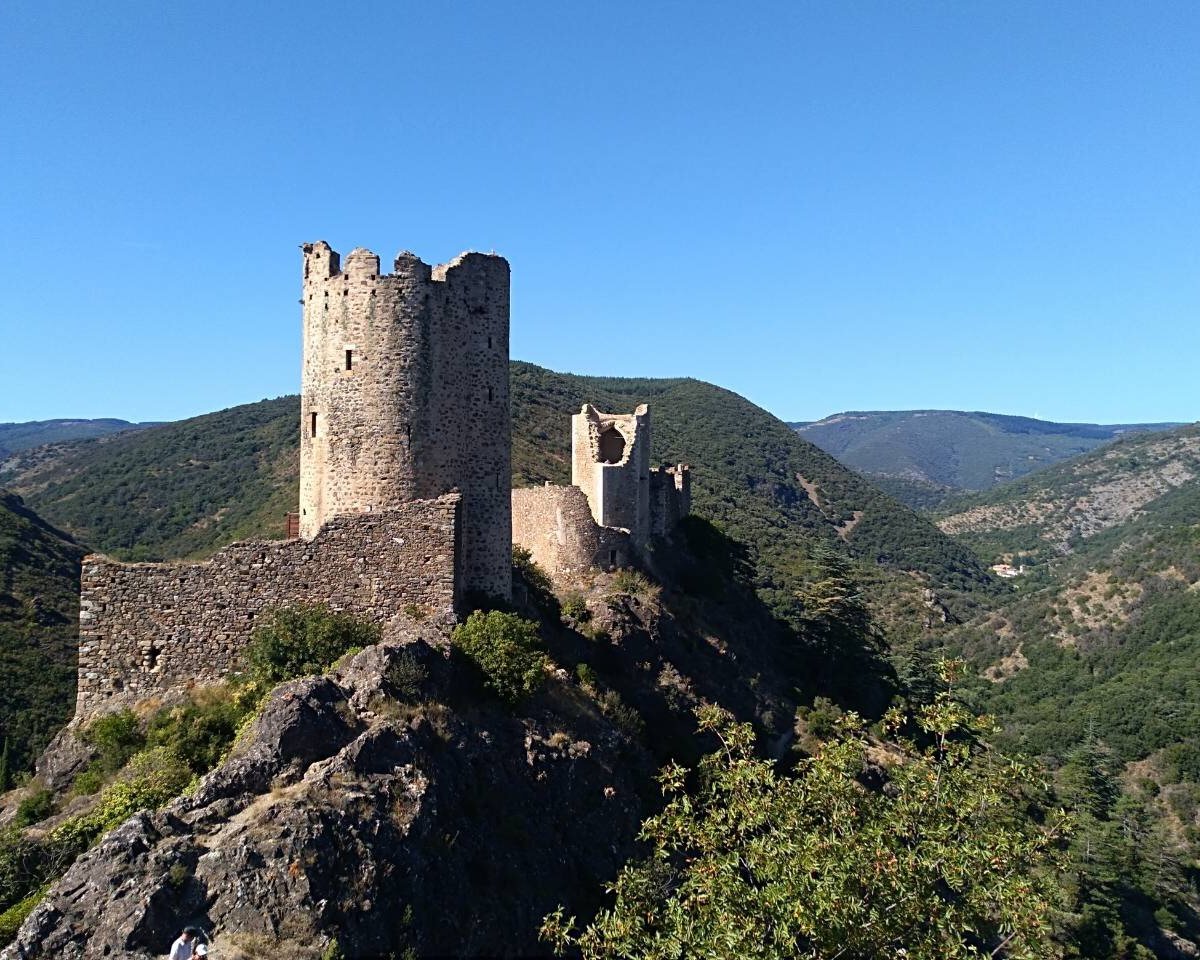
x: 347, y: 814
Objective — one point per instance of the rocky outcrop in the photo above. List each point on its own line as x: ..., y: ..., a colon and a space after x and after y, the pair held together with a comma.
x: 364, y: 807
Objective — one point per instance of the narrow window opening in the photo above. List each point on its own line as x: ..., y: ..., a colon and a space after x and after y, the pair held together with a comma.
x: 612, y: 558
x: 489, y: 394
x: 312, y: 428
x: 152, y: 657
x: 489, y: 343
x: 349, y: 359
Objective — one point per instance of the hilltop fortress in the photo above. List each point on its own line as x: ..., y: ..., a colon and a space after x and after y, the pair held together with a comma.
x: 406, y: 506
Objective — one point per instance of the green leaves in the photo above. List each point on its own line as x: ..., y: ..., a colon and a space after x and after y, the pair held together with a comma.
x: 507, y: 651
x: 302, y: 640
x: 942, y: 861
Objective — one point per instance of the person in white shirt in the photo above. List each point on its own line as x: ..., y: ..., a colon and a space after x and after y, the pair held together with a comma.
x: 181, y: 949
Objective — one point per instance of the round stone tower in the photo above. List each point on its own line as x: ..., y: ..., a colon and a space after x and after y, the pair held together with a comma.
x: 404, y: 396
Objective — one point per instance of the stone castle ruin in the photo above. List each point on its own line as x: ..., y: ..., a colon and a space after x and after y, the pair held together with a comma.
x: 406, y: 503
x: 615, y: 505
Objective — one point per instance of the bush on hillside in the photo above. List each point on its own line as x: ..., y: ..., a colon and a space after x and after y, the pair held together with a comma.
x: 116, y: 737
x: 947, y: 862
x: 506, y: 649
x: 302, y: 640
x: 34, y: 808
x: 197, y: 734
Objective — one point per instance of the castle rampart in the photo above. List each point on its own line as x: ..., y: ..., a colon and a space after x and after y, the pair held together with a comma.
x: 404, y: 396
x: 153, y: 628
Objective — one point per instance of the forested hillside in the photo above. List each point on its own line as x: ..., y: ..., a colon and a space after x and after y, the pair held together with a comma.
x: 39, y: 609
x: 928, y: 455
x: 186, y: 488
x: 1093, y: 663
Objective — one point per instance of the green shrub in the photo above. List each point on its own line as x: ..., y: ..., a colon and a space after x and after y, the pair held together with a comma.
x: 635, y: 584
x: 538, y: 581
x: 586, y: 675
x: 21, y: 866
x: 12, y: 918
x: 198, y: 735
x: 627, y: 719
x: 88, y: 781
x: 575, y: 608
x: 407, y: 676
x: 116, y: 737
x: 302, y: 640
x: 34, y: 808
x: 506, y: 649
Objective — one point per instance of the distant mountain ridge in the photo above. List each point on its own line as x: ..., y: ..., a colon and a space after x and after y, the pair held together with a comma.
x: 15, y: 437
x: 929, y: 454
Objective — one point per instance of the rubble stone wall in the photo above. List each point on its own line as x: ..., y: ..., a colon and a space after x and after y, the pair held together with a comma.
x: 555, y: 524
x: 156, y: 627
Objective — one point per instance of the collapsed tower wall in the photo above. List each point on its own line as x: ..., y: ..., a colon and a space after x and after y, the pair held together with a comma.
x: 610, y: 463
x: 616, y: 504
x: 404, y: 396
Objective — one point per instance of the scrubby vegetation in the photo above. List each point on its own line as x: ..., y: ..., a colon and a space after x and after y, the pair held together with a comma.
x: 304, y: 639
x: 139, y: 764
x: 940, y: 860
x: 507, y: 651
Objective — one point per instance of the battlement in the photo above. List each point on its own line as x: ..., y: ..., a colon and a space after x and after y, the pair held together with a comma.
x: 322, y: 263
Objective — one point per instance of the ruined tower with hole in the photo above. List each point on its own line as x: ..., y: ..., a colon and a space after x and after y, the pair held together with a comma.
x: 404, y: 397
x: 617, y: 503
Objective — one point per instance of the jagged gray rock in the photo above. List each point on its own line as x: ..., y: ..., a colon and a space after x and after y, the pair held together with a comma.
x: 346, y: 813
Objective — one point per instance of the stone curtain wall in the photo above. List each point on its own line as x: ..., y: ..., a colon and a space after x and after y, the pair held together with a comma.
x: 153, y: 628
x: 556, y: 526
x: 670, y: 497
x: 405, y: 396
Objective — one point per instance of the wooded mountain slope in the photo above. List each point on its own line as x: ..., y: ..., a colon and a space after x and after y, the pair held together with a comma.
x: 39, y: 607
x: 1053, y: 512
x: 187, y: 488
x: 949, y: 450
x: 1094, y: 661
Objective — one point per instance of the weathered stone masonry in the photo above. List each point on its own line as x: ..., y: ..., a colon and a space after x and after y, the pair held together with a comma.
x: 405, y: 396
x: 554, y: 523
x: 616, y: 504
x: 151, y: 628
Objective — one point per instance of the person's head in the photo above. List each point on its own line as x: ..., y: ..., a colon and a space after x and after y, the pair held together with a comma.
x: 190, y: 934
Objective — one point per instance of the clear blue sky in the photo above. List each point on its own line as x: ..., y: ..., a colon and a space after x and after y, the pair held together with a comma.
x: 821, y: 205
